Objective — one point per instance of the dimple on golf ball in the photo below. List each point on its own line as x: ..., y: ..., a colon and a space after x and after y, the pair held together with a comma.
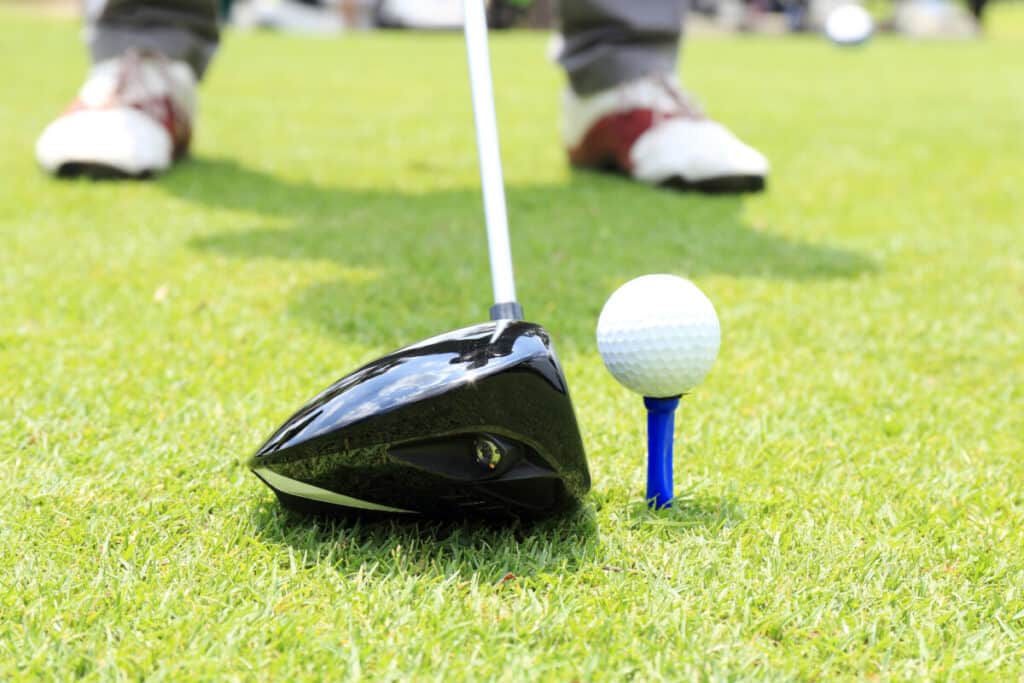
x: 658, y: 335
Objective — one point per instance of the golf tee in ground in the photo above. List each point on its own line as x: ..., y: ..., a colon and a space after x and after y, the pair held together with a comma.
x: 661, y: 414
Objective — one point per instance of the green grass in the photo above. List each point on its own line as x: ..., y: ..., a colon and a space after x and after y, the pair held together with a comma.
x: 853, y: 485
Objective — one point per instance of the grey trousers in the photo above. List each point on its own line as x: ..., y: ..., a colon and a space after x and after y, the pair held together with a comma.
x: 606, y: 41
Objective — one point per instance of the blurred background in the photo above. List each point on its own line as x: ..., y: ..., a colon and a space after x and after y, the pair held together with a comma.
x: 948, y: 19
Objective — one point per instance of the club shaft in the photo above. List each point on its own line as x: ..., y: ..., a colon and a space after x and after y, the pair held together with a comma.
x: 495, y: 212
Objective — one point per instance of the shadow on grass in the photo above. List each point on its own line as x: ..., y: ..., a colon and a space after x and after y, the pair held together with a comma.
x: 690, y: 511
x: 422, y: 258
x: 494, y: 551
x: 390, y: 547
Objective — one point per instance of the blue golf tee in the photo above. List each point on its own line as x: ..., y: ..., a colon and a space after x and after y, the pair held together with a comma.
x: 661, y: 414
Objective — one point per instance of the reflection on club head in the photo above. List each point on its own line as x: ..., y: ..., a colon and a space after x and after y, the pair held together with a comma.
x: 473, y: 422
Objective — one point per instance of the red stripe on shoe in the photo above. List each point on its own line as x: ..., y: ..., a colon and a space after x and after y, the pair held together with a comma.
x: 608, y: 142
x: 170, y: 117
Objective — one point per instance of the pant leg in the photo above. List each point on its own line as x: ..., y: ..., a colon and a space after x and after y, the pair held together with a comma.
x: 608, y: 42
x: 180, y: 29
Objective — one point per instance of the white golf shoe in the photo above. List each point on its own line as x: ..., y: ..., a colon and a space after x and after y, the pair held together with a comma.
x: 650, y: 130
x: 132, y: 118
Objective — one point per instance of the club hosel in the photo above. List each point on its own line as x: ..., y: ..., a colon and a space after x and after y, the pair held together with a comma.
x: 660, y: 433
x: 507, y: 310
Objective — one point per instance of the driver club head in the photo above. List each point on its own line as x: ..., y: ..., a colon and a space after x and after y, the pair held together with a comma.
x: 473, y: 423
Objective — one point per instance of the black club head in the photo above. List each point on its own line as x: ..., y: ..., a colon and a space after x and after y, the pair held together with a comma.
x: 475, y: 422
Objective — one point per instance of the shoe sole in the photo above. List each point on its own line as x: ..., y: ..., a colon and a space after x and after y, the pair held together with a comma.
x: 94, y: 171
x: 735, y: 184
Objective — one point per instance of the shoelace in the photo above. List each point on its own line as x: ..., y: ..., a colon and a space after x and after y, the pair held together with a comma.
x: 135, y: 89
x: 686, y: 104
x: 670, y: 101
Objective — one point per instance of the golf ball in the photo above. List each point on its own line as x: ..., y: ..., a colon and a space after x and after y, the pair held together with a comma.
x: 658, y: 335
x: 849, y: 24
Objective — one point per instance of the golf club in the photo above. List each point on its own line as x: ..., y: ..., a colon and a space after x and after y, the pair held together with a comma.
x: 474, y: 422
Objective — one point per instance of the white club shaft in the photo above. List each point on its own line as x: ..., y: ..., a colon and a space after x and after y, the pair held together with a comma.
x: 490, y: 155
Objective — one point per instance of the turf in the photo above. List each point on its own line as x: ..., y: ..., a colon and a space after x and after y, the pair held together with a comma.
x: 850, y: 474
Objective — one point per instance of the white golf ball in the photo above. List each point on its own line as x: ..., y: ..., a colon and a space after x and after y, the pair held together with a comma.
x: 849, y: 25
x: 658, y: 335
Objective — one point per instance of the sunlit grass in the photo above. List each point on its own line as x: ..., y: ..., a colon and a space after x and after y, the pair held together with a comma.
x: 850, y: 474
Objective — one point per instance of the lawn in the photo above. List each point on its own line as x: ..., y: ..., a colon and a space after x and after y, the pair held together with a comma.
x: 852, y: 483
